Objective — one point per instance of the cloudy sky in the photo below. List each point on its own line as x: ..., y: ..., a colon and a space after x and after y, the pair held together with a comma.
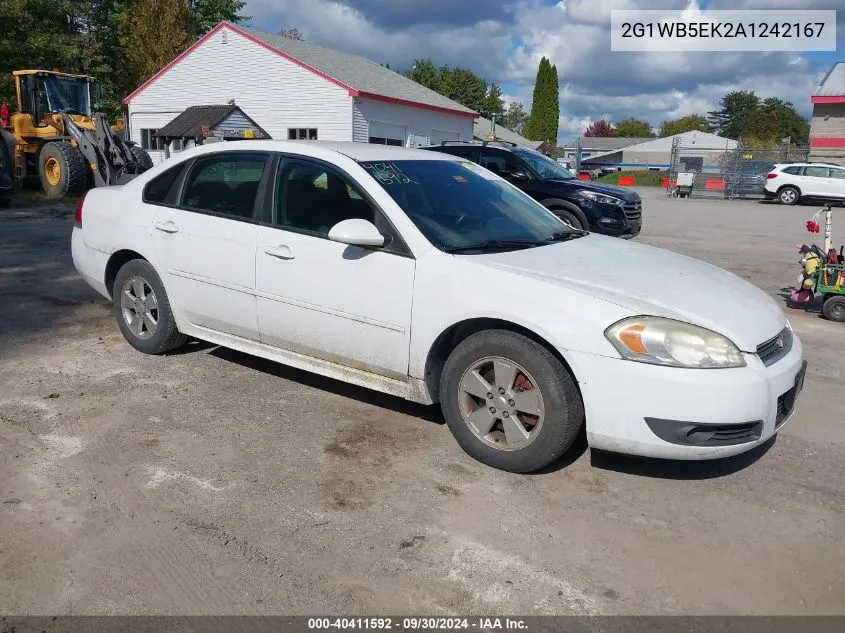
x: 503, y: 41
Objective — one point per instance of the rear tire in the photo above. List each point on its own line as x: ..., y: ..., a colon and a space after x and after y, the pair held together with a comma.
x: 789, y: 195
x: 525, y: 430
x: 62, y: 169
x: 142, y: 309
x: 834, y: 308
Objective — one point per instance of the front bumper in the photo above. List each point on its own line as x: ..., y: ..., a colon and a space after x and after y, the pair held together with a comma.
x: 723, y: 412
x: 623, y: 221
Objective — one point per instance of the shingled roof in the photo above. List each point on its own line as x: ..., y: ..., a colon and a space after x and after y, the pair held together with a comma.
x: 191, y: 122
x: 358, y: 75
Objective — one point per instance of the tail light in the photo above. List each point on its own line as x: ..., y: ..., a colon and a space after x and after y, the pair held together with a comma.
x: 771, y: 175
x: 77, y: 218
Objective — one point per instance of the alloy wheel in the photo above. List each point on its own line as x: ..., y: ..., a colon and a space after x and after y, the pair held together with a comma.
x: 139, y: 307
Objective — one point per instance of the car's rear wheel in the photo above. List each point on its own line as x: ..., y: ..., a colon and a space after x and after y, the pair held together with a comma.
x: 142, y: 309
x: 509, y: 402
x: 788, y: 195
x: 834, y: 308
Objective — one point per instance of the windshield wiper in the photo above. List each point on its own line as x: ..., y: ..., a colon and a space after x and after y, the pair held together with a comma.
x: 495, y: 244
x: 565, y: 236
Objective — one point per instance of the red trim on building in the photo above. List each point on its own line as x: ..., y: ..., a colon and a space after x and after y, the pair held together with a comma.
x: 350, y: 89
x: 840, y: 99
x: 416, y: 104
x: 827, y: 141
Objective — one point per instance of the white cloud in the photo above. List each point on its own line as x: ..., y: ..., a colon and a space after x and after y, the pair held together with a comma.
x: 574, y: 35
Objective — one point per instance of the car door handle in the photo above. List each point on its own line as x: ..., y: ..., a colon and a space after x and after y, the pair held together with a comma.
x: 281, y: 251
x: 167, y: 227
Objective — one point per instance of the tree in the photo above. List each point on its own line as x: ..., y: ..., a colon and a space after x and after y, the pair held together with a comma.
x: 633, y: 128
x: 494, y: 105
x: 425, y: 73
x: 293, y: 33
x: 153, y: 32
x: 514, y: 117
x: 206, y: 14
x: 600, y: 128
x: 39, y: 34
x: 542, y: 125
x: 789, y: 122
x: 733, y: 115
x: 688, y: 123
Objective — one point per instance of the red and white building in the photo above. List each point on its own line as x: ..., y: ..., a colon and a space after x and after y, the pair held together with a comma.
x: 827, y: 129
x: 294, y: 90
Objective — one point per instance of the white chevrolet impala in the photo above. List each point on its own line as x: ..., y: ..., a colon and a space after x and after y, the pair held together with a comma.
x: 421, y: 275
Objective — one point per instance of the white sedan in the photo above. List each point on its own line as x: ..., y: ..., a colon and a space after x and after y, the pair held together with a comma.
x: 421, y: 275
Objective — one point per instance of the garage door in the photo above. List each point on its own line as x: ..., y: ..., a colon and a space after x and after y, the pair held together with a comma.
x: 438, y: 136
x: 388, y: 133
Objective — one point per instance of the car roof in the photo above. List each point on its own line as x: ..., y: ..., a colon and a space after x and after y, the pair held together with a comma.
x: 809, y: 165
x: 355, y: 151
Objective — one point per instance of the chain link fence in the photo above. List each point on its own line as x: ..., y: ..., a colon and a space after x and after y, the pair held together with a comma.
x: 729, y: 172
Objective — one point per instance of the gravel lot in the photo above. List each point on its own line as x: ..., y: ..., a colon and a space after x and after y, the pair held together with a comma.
x: 209, y: 482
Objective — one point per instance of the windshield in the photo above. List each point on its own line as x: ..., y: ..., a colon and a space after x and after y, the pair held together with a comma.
x: 55, y: 93
x: 459, y: 204
x: 545, y: 167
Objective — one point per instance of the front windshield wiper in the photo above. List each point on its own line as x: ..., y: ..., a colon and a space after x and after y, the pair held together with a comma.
x: 495, y: 245
x: 565, y: 236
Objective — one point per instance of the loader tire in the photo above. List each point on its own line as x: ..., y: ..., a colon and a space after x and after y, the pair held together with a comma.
x: 63, y: 170
x: 142, y: 157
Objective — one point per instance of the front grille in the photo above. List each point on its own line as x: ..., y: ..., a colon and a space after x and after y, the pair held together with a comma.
x: 786, y: 403
x: 776, y: 348
x: 633, y: 210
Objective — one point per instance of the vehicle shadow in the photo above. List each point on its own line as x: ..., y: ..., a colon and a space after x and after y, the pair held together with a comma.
x: 429, y: 413
x: 677, y: 469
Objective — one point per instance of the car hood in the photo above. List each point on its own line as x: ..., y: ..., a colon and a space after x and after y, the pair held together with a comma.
x: 651, y: 281
x: 611, y: 190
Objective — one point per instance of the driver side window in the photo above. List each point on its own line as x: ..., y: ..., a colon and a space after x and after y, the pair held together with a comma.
x: 501, y: 163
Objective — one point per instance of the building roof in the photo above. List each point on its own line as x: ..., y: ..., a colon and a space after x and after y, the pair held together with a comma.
x: 833, y: 84
x: 702, y: 140
x: 607, y: 143
x: 191, y: 122
x: 481, y: 131
x: 358, y: 75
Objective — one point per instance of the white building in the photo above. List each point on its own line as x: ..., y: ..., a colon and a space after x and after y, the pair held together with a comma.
x: 657, y: 153
x: 295, y: 90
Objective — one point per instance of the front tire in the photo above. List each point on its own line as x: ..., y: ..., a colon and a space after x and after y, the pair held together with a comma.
x: 834, y: 308
x: 789, y: 195
x: 62, y: 169
x: 570, y: 218
x: 142, y: 309
x: 142, y: 157
x: 509, y: 402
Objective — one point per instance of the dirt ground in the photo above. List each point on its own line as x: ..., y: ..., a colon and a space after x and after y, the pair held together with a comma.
x: 209, y: 482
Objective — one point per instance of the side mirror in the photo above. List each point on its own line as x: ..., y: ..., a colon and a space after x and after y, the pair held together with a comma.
x: 356, y: 232
x: 519, y: 175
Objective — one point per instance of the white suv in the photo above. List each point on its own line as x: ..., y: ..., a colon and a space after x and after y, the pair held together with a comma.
x: 790, y: 183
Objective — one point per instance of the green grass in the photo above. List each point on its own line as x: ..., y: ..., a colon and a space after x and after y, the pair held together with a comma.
x: 642, y: 178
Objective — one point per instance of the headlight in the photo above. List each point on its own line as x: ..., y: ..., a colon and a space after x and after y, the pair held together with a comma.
x: 660, y: 341
x: 599, y: 197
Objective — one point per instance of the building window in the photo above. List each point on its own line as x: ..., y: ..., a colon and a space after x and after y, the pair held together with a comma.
x: 378, y: 140
x: 148, y: 141
x: 302, y: 134
x: 177, y: 145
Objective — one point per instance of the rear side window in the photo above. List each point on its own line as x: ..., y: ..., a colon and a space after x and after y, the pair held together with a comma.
x: 837, y: 173
x: 157, y: 189
x: 816, y: 172
x: 792, y: 171
x: 224, y: 183
x: 464, y: 151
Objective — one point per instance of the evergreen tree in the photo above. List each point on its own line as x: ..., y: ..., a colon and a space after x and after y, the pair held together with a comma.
x: 542, y: 124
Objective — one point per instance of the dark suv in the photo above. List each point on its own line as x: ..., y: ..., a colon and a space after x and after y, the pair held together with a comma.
x: 583, y: 204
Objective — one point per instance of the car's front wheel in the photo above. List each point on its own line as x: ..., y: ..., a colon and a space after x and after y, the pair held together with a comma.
x: 509, y: 402
x: 788, y: 195
x: 570, y: 218
x: 142, y: 309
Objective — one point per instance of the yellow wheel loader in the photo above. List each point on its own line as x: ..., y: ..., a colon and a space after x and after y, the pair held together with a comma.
x: 58, y: 133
